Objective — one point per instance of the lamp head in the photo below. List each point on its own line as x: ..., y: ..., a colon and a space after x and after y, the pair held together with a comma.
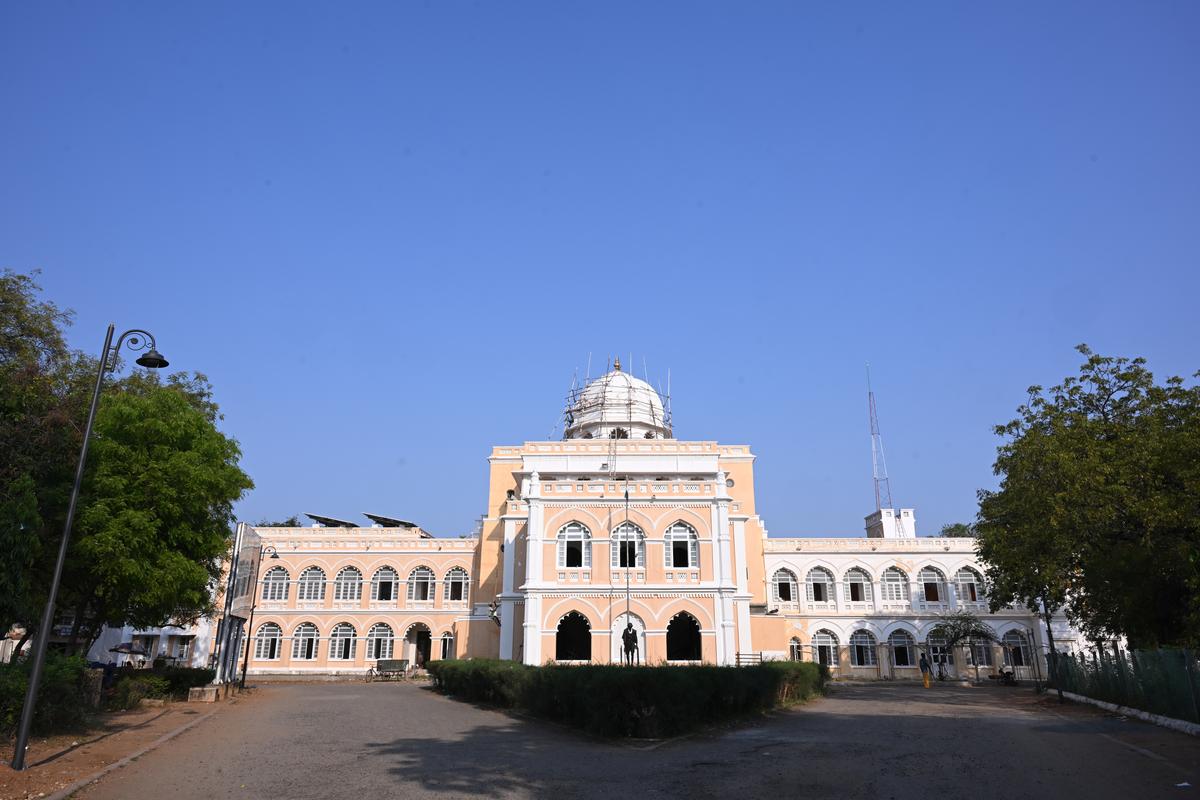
x: 153, y: 360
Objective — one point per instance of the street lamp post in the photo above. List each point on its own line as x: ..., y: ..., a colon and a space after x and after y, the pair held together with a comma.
x: 137, y: 340
x: 266, y: 548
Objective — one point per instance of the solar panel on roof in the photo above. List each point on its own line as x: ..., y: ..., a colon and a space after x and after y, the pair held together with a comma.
x: 331, y: 522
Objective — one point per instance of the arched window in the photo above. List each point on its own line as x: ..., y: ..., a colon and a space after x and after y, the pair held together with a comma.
x: 574, y: 546
x: 894, y: 586
x: 379, y: 641
x: 383, y: 584
x: 862, y: 649
x: 682, y: 547
x: 342, y: 642
x: 275, y: 584
x: 858, y: 586
x: 304, y: 642
x: 683, y: 638
x: 420, y: 584
x: 455, y: 584
x: 933, y: 585
x: 447, y: 646
x: 795, y: 650
x: 311, y: 585
x: 348, y: 585
x: 783, y: 586
x: 819, y: 585
x: 266, y: 644
x: 939, y: 651
x: 573, y: 640
x: 903, y: 645
x: 628, y: 546
x: 969, y: 586
x: 824, y: 647
x: 1016, y: 649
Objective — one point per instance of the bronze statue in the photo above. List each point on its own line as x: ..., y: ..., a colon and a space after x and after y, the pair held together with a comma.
x: 629, y: 638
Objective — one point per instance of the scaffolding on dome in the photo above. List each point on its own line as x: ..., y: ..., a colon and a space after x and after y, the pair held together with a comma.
x: 580, y: 402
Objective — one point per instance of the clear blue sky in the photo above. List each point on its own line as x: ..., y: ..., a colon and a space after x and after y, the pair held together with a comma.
x: 389, y: 232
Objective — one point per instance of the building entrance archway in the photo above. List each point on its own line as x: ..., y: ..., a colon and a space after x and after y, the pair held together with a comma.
x: 683, y: 638
x: 617, y: 648
x: 418, y: 643
x: 573, y: 641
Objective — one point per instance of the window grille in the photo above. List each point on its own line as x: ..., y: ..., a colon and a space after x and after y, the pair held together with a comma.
x: 969, y: 585
x: 342, y: 642
x: 383, y: 584
x: 819, y: 585
x: 420, y: 584
x: 275, y: 584
x: 902, y: 644
x: 574, y: 546
x: 824, y: 646
x: 862, y: 649
x: 783, y: 586
x: 266, y: 644
x: 348, y: 585
x: 939, y: 651
x: 304, y: 642
x: 311, y: 585
x: 682, y: 547
x: 628, y: 546
x: 379, y: 641
x: 858, y: 586
x: 933, y: 585
x: 456, y: 584
x: 894, y: 585
x: 979, y: 654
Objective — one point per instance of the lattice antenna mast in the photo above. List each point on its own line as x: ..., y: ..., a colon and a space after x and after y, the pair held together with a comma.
x: 883, y: 487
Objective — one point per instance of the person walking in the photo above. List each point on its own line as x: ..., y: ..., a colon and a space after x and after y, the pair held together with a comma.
x: 926, y: 670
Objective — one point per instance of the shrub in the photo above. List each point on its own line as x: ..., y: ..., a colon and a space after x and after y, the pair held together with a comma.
x: 62, y: 702
x: 631, y: 701
x: 131, y: 689
x: 180, y: 679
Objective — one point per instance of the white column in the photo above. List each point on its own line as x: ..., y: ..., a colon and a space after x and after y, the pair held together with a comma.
x: 507, y: 596
x: 533, y: 629
x: 742, y: 605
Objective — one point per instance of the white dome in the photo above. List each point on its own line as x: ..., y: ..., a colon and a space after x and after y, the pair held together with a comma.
x: 616, y: 405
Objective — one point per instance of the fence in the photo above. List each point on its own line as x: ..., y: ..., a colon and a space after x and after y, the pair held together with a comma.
x: 886, y: 661
x: 1165, y: 681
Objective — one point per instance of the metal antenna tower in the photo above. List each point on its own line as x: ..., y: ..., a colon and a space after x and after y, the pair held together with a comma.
x: 883, y: 488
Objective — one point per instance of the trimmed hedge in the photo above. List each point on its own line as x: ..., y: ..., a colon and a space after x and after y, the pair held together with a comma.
x: 645, y: 702
x: 62, y: 696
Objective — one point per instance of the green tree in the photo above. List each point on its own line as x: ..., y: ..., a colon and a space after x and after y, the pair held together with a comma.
x: 156, y: 505
x: 964, y: 627
x: 291, y: 522
x: 1098, y: 510
x: 957, y: 529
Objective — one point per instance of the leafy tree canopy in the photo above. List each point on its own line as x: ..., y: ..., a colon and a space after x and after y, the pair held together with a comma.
x: 957, y: 529
x: 291, y: 522
x: 156, y: 506
x: 1098, y: 510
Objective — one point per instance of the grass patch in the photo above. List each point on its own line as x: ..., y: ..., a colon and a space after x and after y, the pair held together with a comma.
x: 643, y: 702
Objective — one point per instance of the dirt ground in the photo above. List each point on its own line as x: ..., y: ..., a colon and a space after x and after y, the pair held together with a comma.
x: 58, y: 761
x: 357, y: 740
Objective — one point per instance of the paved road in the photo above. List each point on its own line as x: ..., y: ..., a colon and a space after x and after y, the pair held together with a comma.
x: 367, y: 741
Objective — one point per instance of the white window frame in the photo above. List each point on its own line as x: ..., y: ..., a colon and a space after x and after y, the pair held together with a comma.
x: 681, y: 532
x: 347, y: 586
x: 899, y: 639
x: 938, y: 580
x: 275, y: 584
x: 305, y: 633
x: 447, y: 640
x: 893, y: 585
x: 575, y: 532
x: 381, y: 640
x: 785, y: 576
x: 422, y: 575
x: 857, y: 576
x: 342, y: 632
x: 309, y: 589
x: 623, y: 533
x: 795, y: 649
x: 267, y: 642
x: 822, y: 641
x: 1016, y: 640
x: 456, y: 576
x: 828, y: 582
x: 377, y: 581
x: 967, y: 582
x: 862, y: 642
